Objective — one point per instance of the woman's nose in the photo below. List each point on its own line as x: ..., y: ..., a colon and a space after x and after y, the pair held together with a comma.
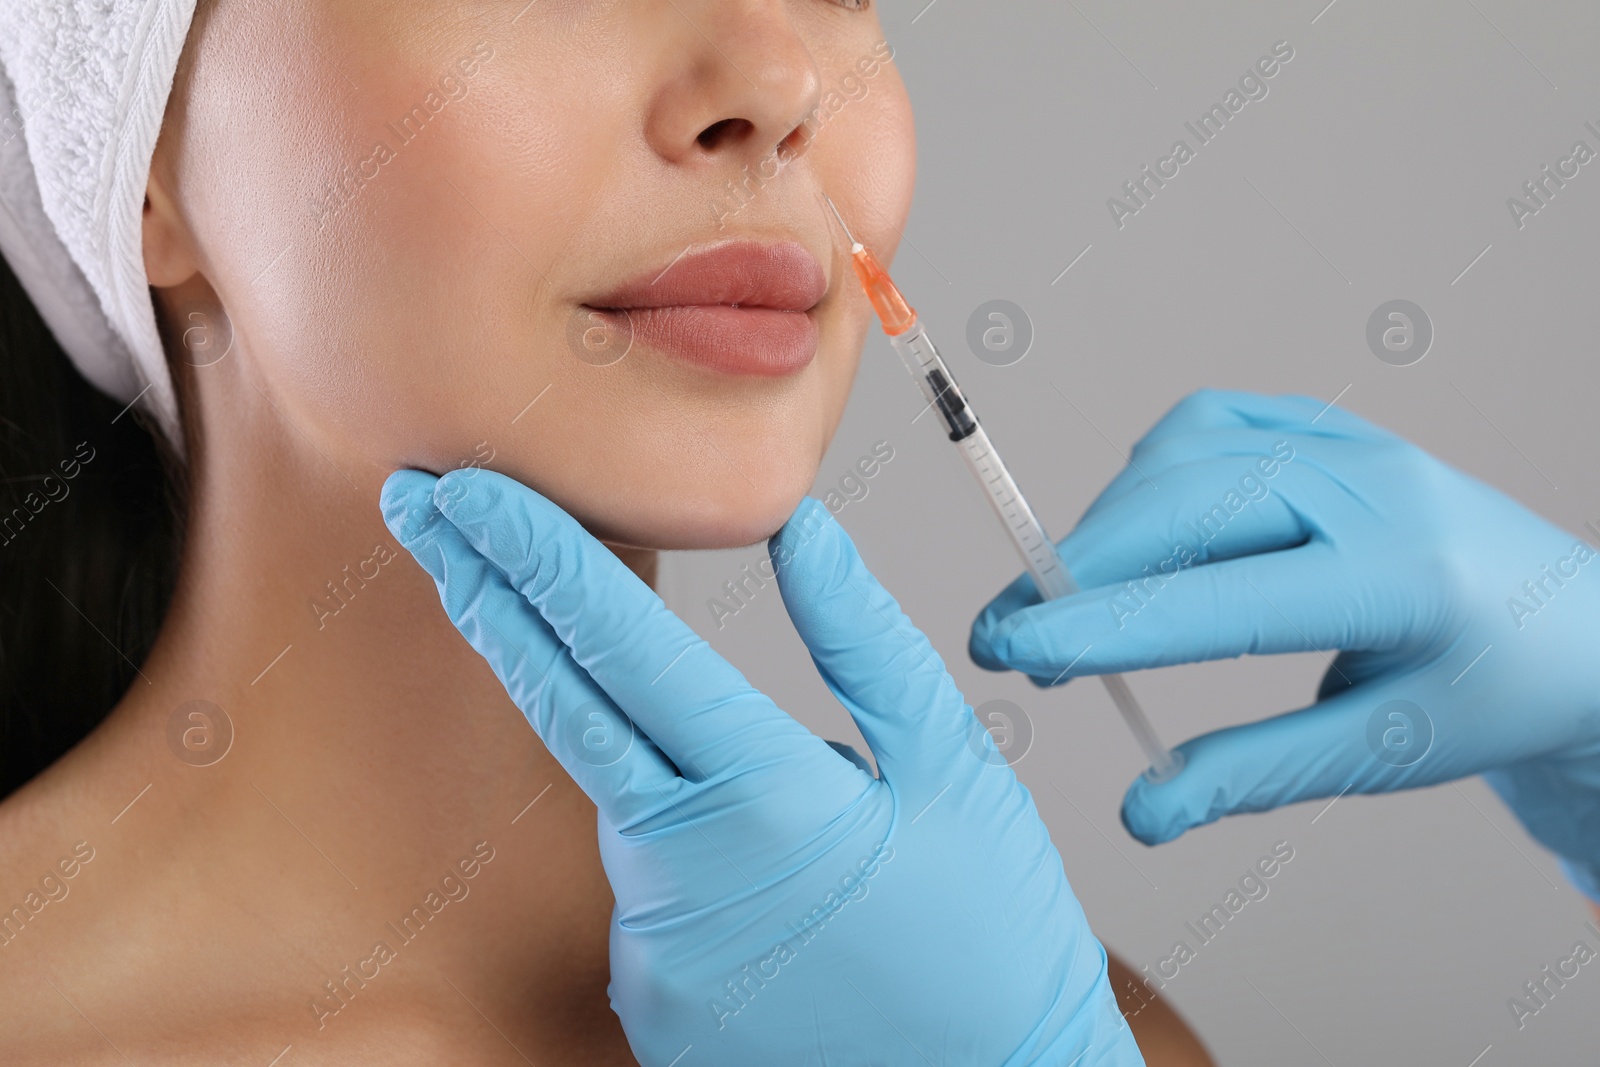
x: 736, y: 81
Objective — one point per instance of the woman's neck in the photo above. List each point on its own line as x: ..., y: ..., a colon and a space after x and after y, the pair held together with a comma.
x: 372, y: 753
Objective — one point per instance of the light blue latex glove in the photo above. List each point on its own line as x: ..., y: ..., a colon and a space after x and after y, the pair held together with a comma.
x: 1355, y: 541
x: 775, y: 902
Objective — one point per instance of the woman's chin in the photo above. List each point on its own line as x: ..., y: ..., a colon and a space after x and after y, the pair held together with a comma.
x: 710, y: 520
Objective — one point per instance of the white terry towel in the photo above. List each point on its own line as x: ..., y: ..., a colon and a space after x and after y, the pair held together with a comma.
x: 83, y: 87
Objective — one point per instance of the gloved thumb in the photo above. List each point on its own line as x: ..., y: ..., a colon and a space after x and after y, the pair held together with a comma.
x: 879, y: 666
x: 1367, y: 739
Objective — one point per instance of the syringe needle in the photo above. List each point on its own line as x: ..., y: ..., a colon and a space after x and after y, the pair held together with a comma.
x: 834, y: 208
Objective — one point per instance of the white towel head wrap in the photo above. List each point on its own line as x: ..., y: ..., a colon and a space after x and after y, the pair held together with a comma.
x: 83, y: 87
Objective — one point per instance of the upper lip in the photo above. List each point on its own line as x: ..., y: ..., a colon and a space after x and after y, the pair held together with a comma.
x: 781, y: 275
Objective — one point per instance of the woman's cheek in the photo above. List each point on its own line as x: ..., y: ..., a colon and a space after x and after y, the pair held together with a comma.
x: 867, y: 158
x: 419, y: 301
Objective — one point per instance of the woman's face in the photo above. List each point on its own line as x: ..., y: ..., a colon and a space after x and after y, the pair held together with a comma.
x: 435, y: 227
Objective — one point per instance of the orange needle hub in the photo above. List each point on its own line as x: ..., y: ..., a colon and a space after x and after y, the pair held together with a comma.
x: 896, y: 315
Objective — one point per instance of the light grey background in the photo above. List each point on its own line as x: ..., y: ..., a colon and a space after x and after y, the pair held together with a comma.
x: 1380, y: 161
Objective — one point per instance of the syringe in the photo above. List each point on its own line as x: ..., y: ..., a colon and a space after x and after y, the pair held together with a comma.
x: 922, y: 360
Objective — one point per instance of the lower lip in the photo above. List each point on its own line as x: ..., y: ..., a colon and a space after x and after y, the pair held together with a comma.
x: 763, y: 342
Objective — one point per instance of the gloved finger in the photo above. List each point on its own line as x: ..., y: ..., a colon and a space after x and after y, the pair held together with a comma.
x: 1216, y: 411
x: 620, y: 769
x: 1255, y: 453
x: 1020, y: 594
x: 691, y: 702
x: 1215, y: 509
x: 1367, y: 740
x: 1226, y: 409
x: 1201, y: 411
x: 1177, y: 452
x: 1208, y: 411
x: 879, y: 665
x: 1294, y: 601
x: 1212, y: 509
x: 849, y: 752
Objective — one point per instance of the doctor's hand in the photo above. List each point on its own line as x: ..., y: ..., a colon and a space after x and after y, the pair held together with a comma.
x: 776, y: 903
x: 1468, y: 628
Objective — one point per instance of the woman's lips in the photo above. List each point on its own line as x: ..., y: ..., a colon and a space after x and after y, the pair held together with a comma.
x: 740, y: 307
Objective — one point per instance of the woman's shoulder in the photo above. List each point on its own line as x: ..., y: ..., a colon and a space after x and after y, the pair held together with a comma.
x: 61, y: 1025
x: 139, y: 923
x: 44, y: 854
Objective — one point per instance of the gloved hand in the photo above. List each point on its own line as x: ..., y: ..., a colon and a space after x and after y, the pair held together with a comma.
x: 1468, y: 627
x: 775, y: 902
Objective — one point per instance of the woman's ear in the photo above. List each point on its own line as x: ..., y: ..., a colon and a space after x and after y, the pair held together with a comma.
x: 169, y: 252
x: 195, y: 326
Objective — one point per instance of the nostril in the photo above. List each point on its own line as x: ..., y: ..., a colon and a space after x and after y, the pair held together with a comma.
x: 719, y: 133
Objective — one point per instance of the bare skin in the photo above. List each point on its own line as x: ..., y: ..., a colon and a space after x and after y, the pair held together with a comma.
x: 205, y: 890
x: 366, y: 763
x: 1163, y: 1036
x: 373, y: 752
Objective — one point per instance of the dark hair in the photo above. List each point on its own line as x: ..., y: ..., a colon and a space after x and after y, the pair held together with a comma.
x: 92, y: 509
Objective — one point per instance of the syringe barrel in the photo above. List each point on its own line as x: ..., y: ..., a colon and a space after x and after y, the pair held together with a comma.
x: 1053, y: 580
x: 1021, y: 524
x: 1050, y: 576
x: 923, y: 362
x: 938, y: 385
